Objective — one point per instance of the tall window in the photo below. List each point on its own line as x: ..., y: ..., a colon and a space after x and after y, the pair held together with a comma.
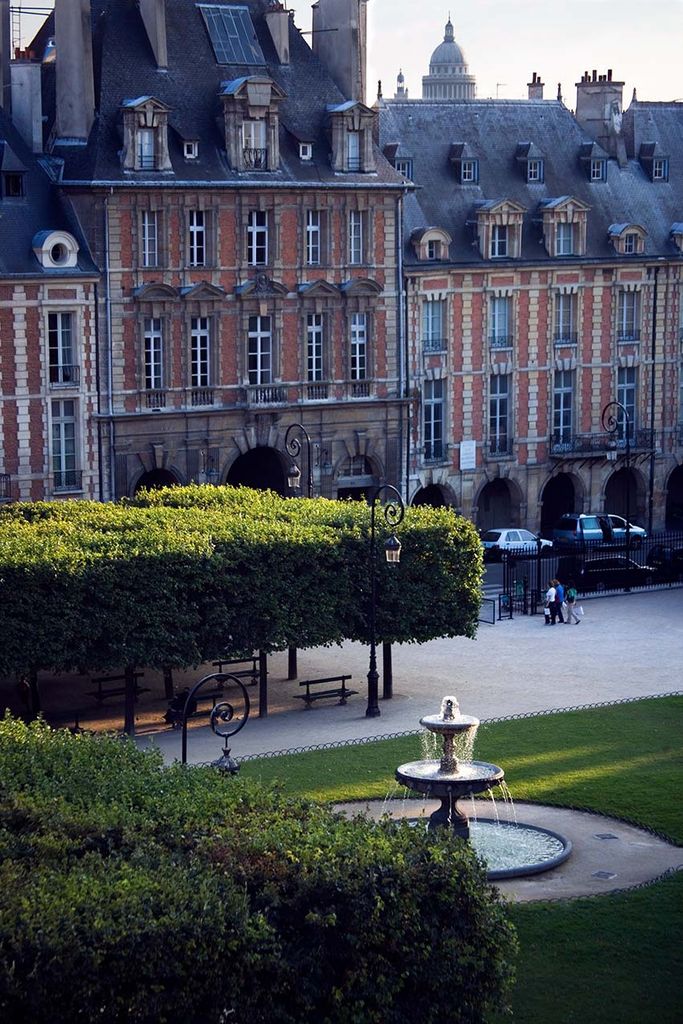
x: 254, y: 144
x: 257, y: 238
x: 64, y: 444
x: 200, y: 352
x: 432, y: 422
x: 597, y: 170
x: 150, y: 238
x: 565, y: 318
x: 313, y: 237
x: 468, y: 171
x: 501, y: 329
x: 353, y: 151
x: 627, y: 394
x: 356, y: 241
x: 499, y: 240
x: 563, y: 404
x: 314, y: 346
x: 61, y: 349
x: 145, y: 147
x: 260, y: 350
x: 499, y: 415
x: 628, y: 316
x: 534, y: 170
x: 630, y: 243
x: 433, y: 318
x: 359, y: 346
x: 197, y: 230
x: 154, y: 344
x: 564, y: 239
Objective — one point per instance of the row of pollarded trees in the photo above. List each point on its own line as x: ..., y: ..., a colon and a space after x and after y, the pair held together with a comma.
x: 178, y: 577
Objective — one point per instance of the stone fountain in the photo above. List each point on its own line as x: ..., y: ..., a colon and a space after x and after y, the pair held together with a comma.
x: 510, y: 848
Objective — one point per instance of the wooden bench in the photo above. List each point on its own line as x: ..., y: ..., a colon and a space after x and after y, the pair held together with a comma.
x: 102, y: 692
x: 174, y: 716
x: 341, y: 691
x: 245, y: 673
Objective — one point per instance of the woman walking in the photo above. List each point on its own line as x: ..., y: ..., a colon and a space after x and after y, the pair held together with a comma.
x: 570, y: 598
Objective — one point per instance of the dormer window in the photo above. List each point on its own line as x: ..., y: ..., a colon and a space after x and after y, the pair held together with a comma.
x: 251, y: 122
x: 564, y: 239
x: 305, y: 151
x: 530, y: 160
x: 630, y: 243
x: 404, y: 166
x: 499, y: 228
x: 594, y: 161
x: 254, y: 149
x: 660, y: 169
x: 627, y: 239
x: 677, y: 238
x: 468, y: 172
x: 598, y: 170
x: 145, y: 135
x: 55, y: 250
x: 465, y: 163
x: 433, y: 249
x: 191, y: 150
x: 430, y: 243
x: 12, y: 185
x: 564, y: 224
x: 534, y: 170
x: 653, y: 161
x: 499, y: 241
x: 352, y: 145
x: 353, y: 151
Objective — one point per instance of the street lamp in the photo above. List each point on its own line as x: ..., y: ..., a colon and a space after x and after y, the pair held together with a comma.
x: 393, y: 513
x: 615, y: 417
x: 293, y: 448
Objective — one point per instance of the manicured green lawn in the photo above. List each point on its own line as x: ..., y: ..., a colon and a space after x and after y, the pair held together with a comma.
x: 612, y: 959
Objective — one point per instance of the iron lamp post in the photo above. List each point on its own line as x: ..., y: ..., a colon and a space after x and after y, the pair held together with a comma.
x: 293, y: 448
x: 393, y: 513
x: 615, y: 417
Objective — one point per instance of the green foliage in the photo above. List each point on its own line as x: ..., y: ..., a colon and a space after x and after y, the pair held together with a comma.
x: 180, y: 575
x: 133, y: 892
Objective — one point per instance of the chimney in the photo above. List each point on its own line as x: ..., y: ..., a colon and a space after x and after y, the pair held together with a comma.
x: 154, y: 17
x: 75, y: 80
x: 27, y: 102
x: 340, y: 41
x: 599, y: 110
x: 5, y: 55
x: 277, y: 21
x: 535, y: 87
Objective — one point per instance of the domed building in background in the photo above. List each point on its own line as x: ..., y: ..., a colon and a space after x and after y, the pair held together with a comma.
x: 449, y: 77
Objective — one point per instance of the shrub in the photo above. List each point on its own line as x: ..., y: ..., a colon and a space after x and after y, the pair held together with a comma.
x: 138, y: 893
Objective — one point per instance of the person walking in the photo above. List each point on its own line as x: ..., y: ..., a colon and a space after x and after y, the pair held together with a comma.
x: 550, y: 604
x: 559, y: 597
x: 570, y: 598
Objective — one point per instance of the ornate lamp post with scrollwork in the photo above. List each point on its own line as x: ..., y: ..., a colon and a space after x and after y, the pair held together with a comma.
x: 614, y: 418
x: 221, y: 714
x: 293, y: 448
x: 393, y: 513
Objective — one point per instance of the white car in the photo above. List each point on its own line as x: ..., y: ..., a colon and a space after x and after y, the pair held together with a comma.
x: 521, y: 541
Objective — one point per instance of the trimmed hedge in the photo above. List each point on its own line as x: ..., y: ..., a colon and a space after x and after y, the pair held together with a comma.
x: 179, y: 576
x: 131, y: 892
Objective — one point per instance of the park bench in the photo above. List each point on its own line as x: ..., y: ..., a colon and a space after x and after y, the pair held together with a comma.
x: 340, y: 691
x: 103, y: 691
x: 242, y: 673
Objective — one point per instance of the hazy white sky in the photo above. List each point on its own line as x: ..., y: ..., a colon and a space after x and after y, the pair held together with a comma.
x: 504, y: 41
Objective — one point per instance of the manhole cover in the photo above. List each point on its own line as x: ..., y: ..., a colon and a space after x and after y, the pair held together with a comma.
x: 604, y: 874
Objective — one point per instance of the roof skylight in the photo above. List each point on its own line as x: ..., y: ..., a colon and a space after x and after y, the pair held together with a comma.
x: 232, y: 34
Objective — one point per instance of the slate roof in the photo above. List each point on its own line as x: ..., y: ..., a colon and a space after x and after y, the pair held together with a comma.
x: 125, y: 67
x: 38, y: 210
x: 493, y: 130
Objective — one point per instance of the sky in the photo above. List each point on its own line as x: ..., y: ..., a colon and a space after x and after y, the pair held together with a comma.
x: 504, y: 41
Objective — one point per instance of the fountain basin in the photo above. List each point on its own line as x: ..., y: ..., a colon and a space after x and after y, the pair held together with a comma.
x: 462, y: 778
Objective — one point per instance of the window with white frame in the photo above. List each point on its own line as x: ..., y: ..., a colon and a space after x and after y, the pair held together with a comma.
x: 627, y: 395
x: 598, y: 170
x: 630, y: 243
x: 353, y: 150
x: 468, y: 171
x: 149, y: 232
x: 433, y: 419
x: 356, y: 240
x: 190, y: 150
x: 534, y: 170
x: 563, y: 407
x: 254, y: 148
x: 500, y: 334
x: 260, y: 350
x: 499, y: 414
x: 145, y: 141
x: 305, y: 151
x: 62, y: 363
x: 200, y: 352
x: 564, y: 239
x: 499, y: 240
x: 565, y: 318
x: 433, y: 325
x: 660, y: 169
x: 433, y: 249
x: 257, y: 238
x: 154, y: 347
x: 313, y: 238
x: 404, y: 166
x: 197, y: 229
x: 359, y: 346
x: 628, y: 316
x: 314, y: 346
x: 64, y: 454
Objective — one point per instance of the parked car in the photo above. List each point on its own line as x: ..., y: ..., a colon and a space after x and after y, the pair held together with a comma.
x: 613, y: 572
x: 503, y: 539
x: 667, y: 562
x: 596, y: 528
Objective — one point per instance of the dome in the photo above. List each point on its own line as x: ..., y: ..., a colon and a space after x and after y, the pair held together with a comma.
x: 448, y: 52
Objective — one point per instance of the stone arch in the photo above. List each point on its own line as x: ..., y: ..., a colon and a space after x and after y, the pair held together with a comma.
x: 499, y: 503
x: 154, y: 479
x: 563, y: 492
x: 432, y: 495
x: 674, y: 499
x: 260, y: 467
x: 356, y: 476
x: 624, y: 491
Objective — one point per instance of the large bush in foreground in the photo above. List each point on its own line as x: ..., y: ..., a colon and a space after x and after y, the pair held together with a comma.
x: 182, y: 575
x: 133, y: 892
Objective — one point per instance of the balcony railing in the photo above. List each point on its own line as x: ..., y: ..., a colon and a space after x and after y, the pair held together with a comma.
x: 599, y: 445
x: 155, y: 399
x: 628, y: 336
x: 5, y: 487
x: 500, y: 340
x: 500, y: 446
x: 566, y: 337
x: 266, y: 394
x: 316, y: 391
x: 434, y: 451
x: 68, y: 479
x: 433, y: 344
x: 201, y: 397
x: 65, y: 374
x: 255, y: 159
x: 360, y: 389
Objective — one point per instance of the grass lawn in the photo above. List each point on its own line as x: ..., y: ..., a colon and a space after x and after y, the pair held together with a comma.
x: 602, y: 959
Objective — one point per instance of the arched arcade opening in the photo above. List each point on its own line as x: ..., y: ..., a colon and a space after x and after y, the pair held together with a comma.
x: 498, y: 505
x: 431, y: 495
x: 625, y: 495
x: 155, y: 479
x: 674, y: 500
x: 260, y: 468
x: 559, y: 496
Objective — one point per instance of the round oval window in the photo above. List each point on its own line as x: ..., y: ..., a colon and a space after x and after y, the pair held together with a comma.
x: 59, y: 253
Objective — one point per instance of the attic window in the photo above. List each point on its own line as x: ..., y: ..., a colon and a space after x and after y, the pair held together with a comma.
x: 628, y: 239
x: 232, y: 35
x: 191, y: 150
x: 431, y: 243
x: 433, y: 249
x: 469, y: 171
x: 145, y: 149
x: 598, y: 170
x: 305, y: 151
x: 55, y: 250
x: 630, y: 243
x: 534, y: 170
x: 405, y: 167
x: 13, y: 185
x: 660, y: 169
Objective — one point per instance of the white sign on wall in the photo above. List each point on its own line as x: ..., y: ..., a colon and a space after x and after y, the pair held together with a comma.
x: 468, y: 455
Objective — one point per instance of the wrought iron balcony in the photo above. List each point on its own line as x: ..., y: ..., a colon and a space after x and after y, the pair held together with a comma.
x: 65, y: 374
x: 201, y: 397
x: 500, y: 340
x: 599, y: 445
x: 566, y: 337
x: 155, y: 399
x: 68, y: 479
x: 5, y: 487
x: 433, y: 344
x: 266, y: 394
x: 316, y: 391
x: 255, y: 159
x: 628, y: 335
